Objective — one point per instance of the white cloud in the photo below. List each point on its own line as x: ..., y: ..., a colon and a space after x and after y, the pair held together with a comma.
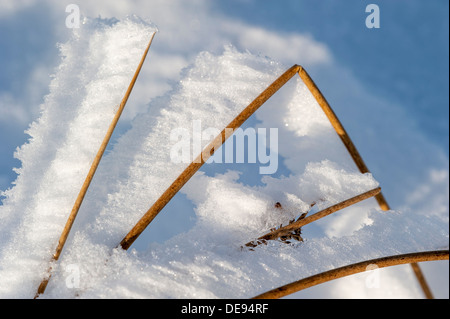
x: 431, y: 197
x: 22, y: 109
x: 291, y: 48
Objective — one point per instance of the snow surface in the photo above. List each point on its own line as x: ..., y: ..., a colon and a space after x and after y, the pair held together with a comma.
x: 205, y: 261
